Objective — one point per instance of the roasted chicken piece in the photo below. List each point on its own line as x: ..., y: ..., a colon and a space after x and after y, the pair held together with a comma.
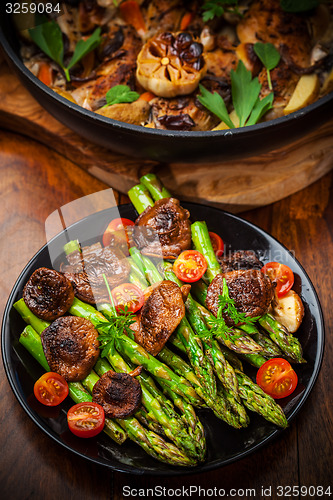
x: 85, y: 271
x: 119, y: 52
x: 265, y: 21
x: 48, y: 294
x: 71, y: 347
x: 136, y: 113
x: 160, y: 315
x: 163, y: 230
x: 119, y: 394
x: 251, y: 290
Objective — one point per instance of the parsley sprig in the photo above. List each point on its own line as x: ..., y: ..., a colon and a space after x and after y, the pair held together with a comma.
x: 227, y: 307
x: 114, y: 329
x: 245, y: 92
x: 216, y: 8
x: 48, y: 37
x: 269, y: 56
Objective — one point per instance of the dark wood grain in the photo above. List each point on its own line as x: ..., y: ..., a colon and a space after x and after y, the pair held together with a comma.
x: 34, y: 181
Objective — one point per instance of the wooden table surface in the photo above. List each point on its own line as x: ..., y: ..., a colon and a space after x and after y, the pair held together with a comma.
x: 34, y: 182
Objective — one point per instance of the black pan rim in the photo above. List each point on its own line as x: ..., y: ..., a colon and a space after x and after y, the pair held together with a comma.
x: 174, y: 471
x: 277, y: 123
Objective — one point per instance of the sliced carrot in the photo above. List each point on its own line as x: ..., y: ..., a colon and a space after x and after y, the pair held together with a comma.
x: 45, y: 73
x: 132, y: 14
x: 186, y: 20
x: 147, y: 96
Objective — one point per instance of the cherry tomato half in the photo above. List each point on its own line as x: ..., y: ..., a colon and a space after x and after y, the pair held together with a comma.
x: 190, y: 266
x: 117, y: 228
x: 280, y: 274
x: 277, y: 378
x: 217, y: 243
x: 86, y: 419
x: 128, y: 295
x: 51, y: 389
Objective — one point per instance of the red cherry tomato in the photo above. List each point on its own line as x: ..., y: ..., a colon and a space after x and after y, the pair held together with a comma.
x: 86, y: 419
x: 280, y: 274
x: 128, y: 295
x: 117, y: 228
x: 277, y: 378
x: 51, y: 389
x: 217, y: 243
x: 190, y: 266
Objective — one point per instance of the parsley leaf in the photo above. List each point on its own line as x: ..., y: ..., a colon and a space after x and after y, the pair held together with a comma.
x: 269, y: 56
x: 298, y: 5
x: 245, y: 97
x: 218, y: 326
x: 119, y: 94
x: 216, y: 8
x: 48, y: 37
x: 114, y: 329
x: 215, y: 104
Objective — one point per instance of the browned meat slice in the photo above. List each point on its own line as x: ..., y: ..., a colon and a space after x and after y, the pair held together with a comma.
x: 118, y: 67
x: 118, y: 393
x: 48, y: 294
x: 265, y: 21
x: 86, y: 270
x: 242, y: 259
x: 160, y: 315
x: 164, y: 227
x: 251, y: 290
x: 71, y: 347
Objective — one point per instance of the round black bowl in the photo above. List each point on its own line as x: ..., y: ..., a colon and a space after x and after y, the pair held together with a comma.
x: 162, y: 145
x: 224, y: 444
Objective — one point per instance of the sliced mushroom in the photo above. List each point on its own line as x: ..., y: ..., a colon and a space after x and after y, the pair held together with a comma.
x: 48, y: 294
x: 118, y: 393
x: 288, y: 310
x: 71, y: 347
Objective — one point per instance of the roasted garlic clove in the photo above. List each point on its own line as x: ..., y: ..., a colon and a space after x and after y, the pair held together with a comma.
x: 171, y: 64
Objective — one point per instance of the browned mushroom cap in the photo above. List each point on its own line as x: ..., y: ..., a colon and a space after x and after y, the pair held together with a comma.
x: 165, y: 228
x: 160, y: 315
x: 251, y: 290
x: 71, y: 347
x: 118, y: 393
x: 85, y: 271
x: 48, y: 294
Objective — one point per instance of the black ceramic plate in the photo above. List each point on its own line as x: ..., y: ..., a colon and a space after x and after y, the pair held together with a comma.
x: 225, y: 444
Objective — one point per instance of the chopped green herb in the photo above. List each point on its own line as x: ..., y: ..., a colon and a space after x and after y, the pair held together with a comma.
x: 114, y: 329
x: 48, y: 37
x: 298, y: 5
x: 216, y: 8
x: 245, y: 97
x: 269, y: 56
x: 218, y: 326
x: 119, y: 94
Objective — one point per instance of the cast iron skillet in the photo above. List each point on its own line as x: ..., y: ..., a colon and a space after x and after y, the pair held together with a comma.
x: 162, y: 145
x: 224, y: 444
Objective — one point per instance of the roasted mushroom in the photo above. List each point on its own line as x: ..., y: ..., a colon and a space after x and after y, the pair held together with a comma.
x: 160, y: 315
x: 240, y: 259
x: 119, y: 394
x: 251, y: 290
x: 85, y: 271
x: 163, y: 228
x: 71, y: 347
x: 171, y: 64
x: 48, y: 294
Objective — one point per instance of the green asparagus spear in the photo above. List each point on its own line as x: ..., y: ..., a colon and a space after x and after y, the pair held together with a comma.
x: 288, y: 344
x: 203, y: 244
x: 155, y: 187
x: 140, y: 197
x: 257, y: 400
